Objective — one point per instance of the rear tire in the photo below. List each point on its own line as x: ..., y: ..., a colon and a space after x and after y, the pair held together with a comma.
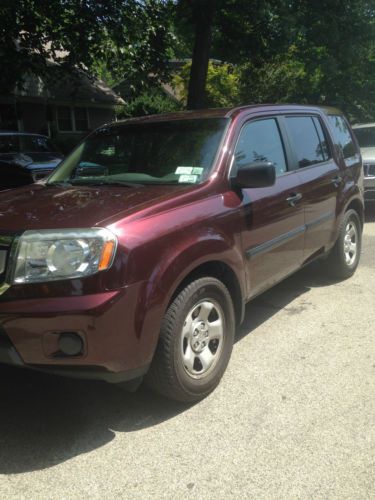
x: 344, y: 257
x: 195, y: 343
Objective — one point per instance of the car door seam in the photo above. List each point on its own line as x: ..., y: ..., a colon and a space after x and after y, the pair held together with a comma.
x: 283, y: 238
x: 319, y: 220
x: 275, y: 242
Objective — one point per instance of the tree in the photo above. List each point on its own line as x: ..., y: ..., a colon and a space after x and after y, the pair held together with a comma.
x: 222, y: 86
x: 131, y: 37
x: 233, y: 31
x: 202, y: 15
x: 153, y: 101
x: 320, y: 52
x: 329, y: 59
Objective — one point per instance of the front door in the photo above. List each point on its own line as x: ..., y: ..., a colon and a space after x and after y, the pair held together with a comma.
x: 273, y: 219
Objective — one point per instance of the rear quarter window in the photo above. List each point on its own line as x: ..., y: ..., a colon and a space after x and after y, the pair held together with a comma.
x: 342, y: 136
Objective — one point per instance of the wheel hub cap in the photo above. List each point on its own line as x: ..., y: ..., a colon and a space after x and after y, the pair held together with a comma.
x: 199, y: 339
x: 350, y: 243
x: 202, y: 338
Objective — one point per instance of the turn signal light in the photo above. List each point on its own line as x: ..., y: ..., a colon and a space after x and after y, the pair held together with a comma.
x: 107, y: 254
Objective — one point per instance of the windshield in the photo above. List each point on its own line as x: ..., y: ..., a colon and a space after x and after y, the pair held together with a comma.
x: 365, y: 137
x: 25, y: 144
x: 174, y: 152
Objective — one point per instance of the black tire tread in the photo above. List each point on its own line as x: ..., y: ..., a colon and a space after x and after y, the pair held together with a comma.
x: 334, y: 264
x: 160, y: 376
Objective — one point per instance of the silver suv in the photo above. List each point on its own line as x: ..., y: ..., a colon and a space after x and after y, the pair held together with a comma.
x: 365, y: 133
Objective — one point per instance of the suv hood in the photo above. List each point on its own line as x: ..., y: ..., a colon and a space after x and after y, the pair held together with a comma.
x: 368, y: 153
x: 51, y: 207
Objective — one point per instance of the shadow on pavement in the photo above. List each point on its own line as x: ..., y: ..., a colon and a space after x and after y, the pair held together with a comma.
x: 282, y: 296
x: 46, y: 420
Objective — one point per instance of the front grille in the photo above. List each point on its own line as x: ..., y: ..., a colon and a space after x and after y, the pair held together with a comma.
x: 369, y: 169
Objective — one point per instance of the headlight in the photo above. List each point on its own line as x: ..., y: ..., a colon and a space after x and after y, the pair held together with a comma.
x: 63, y: 254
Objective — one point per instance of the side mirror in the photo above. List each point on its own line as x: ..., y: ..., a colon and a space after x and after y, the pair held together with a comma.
x: 255, y: 175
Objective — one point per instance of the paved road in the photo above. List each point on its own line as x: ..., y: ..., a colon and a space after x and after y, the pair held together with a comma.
x: 294, y: 417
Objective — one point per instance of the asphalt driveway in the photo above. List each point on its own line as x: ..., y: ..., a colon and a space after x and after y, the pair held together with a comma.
x: 294, y: 416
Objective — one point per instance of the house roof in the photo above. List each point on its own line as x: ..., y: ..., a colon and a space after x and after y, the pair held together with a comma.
x: 78, y: 86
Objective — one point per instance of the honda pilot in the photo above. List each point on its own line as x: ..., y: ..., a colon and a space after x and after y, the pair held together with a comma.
x: 136, y: 257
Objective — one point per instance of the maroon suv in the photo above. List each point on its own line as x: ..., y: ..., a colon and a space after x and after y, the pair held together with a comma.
x: 138, y: 254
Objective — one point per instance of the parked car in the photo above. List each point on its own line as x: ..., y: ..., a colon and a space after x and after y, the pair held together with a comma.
x: 142, y: 266
x: 13, y: 175
x: 365, y: 134
x: 33, y: 152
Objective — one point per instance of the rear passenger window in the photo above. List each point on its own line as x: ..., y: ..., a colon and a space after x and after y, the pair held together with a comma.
x: 323, y: 140
x: 260, y: 141
x: 308, y: 140
x: 342, y: 135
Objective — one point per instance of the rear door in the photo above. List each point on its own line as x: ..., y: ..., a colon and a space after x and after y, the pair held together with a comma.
x: 273, y: 219
x: 349, y: 155
x: 320, y: 179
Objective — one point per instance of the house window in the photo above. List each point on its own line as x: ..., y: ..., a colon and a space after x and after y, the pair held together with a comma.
x: 72, y: 119
x: 80, y: 118
x: 8, y: 118
x: 64, y: 119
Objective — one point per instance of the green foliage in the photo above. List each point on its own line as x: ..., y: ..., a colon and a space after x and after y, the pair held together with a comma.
x: 222, y: 85
x: 330, y: 61
x: 282, y: 79
x: 130, y: 37
x: 154, y: 101
x: 273, y: 51
x: 298, y: 51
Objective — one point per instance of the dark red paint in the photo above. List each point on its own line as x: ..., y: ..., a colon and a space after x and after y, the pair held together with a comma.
x: 164, y: 234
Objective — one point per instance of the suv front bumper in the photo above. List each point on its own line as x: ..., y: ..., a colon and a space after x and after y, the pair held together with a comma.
x: 113, y: 348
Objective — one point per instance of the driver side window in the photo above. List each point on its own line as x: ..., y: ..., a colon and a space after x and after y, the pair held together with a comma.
x: 260, y: 141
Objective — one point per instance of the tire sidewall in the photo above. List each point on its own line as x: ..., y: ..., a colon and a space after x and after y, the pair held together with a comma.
x: 350, y: 215
x: 213, y: 289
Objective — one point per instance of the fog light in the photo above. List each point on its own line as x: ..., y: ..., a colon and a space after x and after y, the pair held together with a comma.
x: 70, y: 344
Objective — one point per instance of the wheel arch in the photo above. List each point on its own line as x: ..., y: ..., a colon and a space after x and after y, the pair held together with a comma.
x: 357, y: 206
x: 223, y: 272
x: 216, y: 257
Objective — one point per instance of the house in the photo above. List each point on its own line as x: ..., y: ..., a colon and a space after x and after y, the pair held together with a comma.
x: 66, y: 110
x: 166, y: 89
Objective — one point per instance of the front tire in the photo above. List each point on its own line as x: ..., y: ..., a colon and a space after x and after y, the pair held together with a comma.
x: 195, y: 343
x: 344, y: 257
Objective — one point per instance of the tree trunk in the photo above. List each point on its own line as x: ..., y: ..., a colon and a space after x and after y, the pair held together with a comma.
x: 203, y: 11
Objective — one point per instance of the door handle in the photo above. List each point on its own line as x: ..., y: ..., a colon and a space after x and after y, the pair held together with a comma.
x: 294, y: 198
x: 336, y: 180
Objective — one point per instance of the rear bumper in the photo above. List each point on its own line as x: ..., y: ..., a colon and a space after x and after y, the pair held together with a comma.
x: 114, y: 349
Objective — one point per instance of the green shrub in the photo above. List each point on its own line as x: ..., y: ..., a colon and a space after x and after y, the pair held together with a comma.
x: 154, y: 101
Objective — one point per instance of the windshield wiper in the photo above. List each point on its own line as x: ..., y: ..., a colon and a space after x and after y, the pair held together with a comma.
x: 58, y: 184
x: 83, y: 182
